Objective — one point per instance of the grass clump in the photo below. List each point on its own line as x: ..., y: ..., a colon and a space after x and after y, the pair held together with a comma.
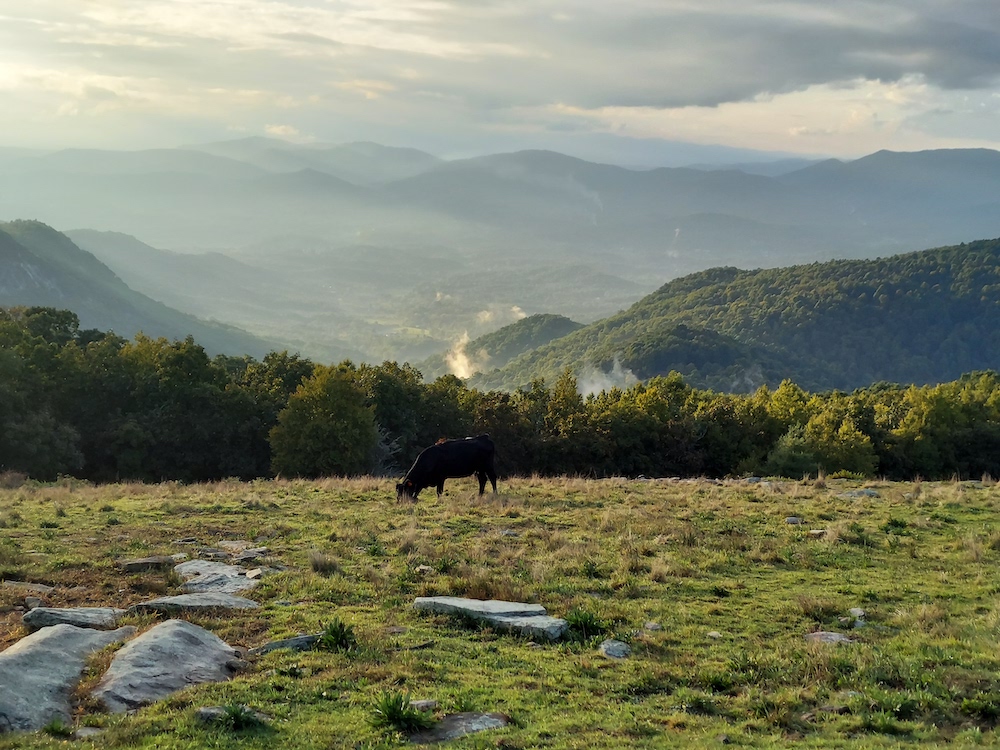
x: 584, y: 625
x: 392, y: 710
x: 337, y: 636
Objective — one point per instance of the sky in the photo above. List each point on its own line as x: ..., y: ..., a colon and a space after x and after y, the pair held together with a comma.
x: 618, y: 80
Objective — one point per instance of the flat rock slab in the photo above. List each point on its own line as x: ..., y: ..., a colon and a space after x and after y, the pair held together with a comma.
x: 537, y: 626
x: 28, y: 588
x: 825, y: 636
x: 97, y: 618
x: 206, y: 576
x: 453, y: 605
x: 39, y: 672
x: 163, y: 660
x: 194, y: 603
x: 298, y: 643
x: 453, y: 726
x: 528, y: 619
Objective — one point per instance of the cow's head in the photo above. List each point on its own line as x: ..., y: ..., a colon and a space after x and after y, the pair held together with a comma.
x: 406, y: 490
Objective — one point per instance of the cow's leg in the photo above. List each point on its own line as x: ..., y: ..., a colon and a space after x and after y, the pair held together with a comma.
x: 492, y: 474
x: 440, y: 488
x: 481, y: 476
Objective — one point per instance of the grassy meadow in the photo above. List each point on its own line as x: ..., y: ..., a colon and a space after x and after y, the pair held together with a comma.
x: 732, y: 585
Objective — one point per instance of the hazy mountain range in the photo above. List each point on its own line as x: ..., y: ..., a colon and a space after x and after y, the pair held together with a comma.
x: 373, y: 252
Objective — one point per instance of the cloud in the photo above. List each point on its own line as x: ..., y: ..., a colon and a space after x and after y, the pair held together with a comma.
x: 492, y: 70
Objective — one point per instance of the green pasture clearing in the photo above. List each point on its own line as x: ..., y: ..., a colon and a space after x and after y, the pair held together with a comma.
x: 695, y: 557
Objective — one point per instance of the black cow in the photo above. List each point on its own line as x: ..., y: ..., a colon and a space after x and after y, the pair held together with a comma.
x: 449, y: 459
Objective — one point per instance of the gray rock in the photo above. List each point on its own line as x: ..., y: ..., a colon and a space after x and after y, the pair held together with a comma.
x: 298, y: 643
x: 146, y: 564
x: 424, y: 705
x: 817, y: 533
x: 857, y: 612
x: 714, y: 635
x: 235, y: 545
x: 615, y: 649
x: 536, y: 626
x: 87, y: 733
x: 453, y: 726
x: 217, y: 714
x: 206, y: 576
x: 96, y: 618
x: 193, y: 603
x: 825, y: 636
x: 164, y: 659
x: 859, y: 493
x: 527, y: 619
x: 31, y: 602
x: 652, y: 626
x: 793, y: 520
x: 481, y: 608
x: 39, y: 672
x: 28, y: 588
x: 248, y: 555
x: 256, y: 573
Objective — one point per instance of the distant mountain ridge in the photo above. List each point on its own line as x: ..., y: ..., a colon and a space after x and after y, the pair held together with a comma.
x: 42, y: 267
x: 920, y: 317
x: 419, y: 249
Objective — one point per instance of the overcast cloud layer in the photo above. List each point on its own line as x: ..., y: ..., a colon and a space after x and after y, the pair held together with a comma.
x: 839, y: 77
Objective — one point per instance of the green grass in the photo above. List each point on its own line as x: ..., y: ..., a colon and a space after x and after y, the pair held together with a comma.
x: 610, y: 556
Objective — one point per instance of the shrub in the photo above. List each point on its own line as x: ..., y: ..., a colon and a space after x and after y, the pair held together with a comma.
x: 393, y: 711
x: 337, y: 636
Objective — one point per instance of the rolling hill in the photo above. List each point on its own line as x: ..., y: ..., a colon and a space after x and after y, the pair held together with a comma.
x: 498, y: 348
x: 42, y: 267
x: 920, y: 317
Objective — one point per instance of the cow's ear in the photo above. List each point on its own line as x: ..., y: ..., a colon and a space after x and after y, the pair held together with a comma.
x: 409, y: 483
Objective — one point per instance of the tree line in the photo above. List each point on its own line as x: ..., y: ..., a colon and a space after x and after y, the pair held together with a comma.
x: 94, y: 405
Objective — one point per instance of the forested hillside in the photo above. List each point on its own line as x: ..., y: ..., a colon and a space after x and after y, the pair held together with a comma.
x: 42, y: 267
x: 921, y: 317
x: 94, y: 405
x: 496, y: 349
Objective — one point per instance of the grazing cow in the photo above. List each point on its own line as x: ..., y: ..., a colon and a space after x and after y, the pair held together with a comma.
x: 449, y: 459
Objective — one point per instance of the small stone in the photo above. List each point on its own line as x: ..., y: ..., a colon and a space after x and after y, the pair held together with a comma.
x: 254, y: 574
x: 653, y: 626
x: 424, y: 569
x: 857, y: 612
x: 534, y: 646
x: 824, y: 636
x: 31, y: 602
x: 216, y: 714
x: 714, y: 634
x: 509, y: 532
x: 817, y: 533
x: 395, y: 630
x: 85, y: 733
x: 793, y: 520
x: 723, y: 739
x: 424, y: 705
x: 615, y: 649
x: 453, y: 726
x: 298, y: 643
x: 186, y: 540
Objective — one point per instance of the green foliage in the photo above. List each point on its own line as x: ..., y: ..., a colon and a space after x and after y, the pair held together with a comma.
x: 584, y: 625
x: 392, y: 710
x: 932, y: 314
x: 239, y: 718
x: 100, y: 408
x: 58, y: 728
x: 337, y: 636
x: 326, y: 428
